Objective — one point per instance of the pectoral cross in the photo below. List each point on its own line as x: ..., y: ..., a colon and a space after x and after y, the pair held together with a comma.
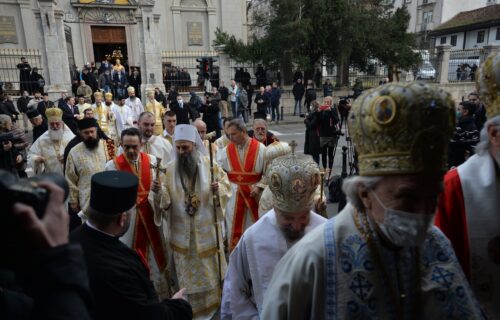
x: 293, y: 145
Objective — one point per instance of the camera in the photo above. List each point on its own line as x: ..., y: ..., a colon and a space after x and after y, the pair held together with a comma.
x: 27, y: 191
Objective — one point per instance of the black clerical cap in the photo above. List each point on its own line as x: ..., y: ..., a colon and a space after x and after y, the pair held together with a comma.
x: 86, y: 123
x: 113, y: 192
x: 80, y: 96
x: 32, y: 113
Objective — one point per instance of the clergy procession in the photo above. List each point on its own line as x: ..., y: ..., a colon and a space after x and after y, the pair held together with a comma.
x: 135, y: 211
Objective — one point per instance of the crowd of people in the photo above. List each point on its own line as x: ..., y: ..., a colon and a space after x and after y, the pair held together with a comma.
x: 177, y: 211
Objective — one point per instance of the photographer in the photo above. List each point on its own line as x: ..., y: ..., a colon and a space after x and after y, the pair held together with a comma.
x: 9, y: 155
x: 42, y: 276
x: 311, y: 144
x: 326, y: 122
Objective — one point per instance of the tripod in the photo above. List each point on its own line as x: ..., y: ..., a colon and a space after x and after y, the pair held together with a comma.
x: 352, y: 156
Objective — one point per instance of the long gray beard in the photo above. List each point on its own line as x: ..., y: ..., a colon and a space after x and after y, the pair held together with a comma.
x: 186, y: 164
x: 56, y: 135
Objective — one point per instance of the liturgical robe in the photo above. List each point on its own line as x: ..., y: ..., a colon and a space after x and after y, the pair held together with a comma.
x: 469, y: 215
x: 244, y: 166
x: 335, y: 273
x: 251, y: 266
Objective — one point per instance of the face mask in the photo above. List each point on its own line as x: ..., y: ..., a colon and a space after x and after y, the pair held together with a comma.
x: 404, y: 229
x: 459, y: 114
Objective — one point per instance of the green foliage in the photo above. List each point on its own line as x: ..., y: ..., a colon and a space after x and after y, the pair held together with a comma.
x: 340, y: 31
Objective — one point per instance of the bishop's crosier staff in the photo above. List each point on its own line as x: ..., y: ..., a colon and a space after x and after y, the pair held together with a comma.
x: 216, y: 204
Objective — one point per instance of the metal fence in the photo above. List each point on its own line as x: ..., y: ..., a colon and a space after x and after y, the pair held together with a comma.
x: 181, y: 69
x: 15, y: 77
x: 463, y: 65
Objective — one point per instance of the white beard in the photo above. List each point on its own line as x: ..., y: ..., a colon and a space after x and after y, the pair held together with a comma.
x: 56, y: 135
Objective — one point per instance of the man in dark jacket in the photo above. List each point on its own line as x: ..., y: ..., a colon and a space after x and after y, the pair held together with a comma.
x: 89, y: 79
x: 70, y: 112
x: 262, y: 101
x: 275, y: 95
x: 7, y: 107
x: 298, y: 91
x: 465, y: 116
x: 118, y: 276
x: 183, y: 110
x: 22, y: 106
x: 44, y: 104
x: 38, y: 122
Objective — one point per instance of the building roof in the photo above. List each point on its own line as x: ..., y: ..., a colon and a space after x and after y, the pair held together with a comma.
x: 470, y: 20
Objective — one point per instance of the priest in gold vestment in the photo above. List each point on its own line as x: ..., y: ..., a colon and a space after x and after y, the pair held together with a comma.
x: 188, y: 204
x: 157, y: 110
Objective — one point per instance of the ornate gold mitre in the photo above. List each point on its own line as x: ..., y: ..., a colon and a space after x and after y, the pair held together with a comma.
x: 98, y: 94
x: 488, y: 84
x: 293, y: 180
x: 402, y: 129
x: 275, y: 150
x: 53, y: 114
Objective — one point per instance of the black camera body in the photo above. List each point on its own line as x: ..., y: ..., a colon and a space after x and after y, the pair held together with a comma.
x: 27, y: 191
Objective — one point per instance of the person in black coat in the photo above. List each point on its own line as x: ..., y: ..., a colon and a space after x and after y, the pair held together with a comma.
x: 118, y: 276
x: 210, y: 111
x: 89, y: 79
x: 184, y: 111
x: 37, y: 80
x: 8, y: 107
x: 44, y: 104
x: 326, y: 122
x: 70, y: 112
x: 311, y: 142
x: 310, y: 96
x: 465, y: 116
x: 24, y: 75
x: 38, y: 122
x: 262, y: 101
x: 135, y: 81
x: 42, y: 276
x: 298, y: 91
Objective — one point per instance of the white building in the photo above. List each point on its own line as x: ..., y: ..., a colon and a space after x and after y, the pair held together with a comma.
x: 73, y: 32
x: 428, y: 14
x: 470, y: 29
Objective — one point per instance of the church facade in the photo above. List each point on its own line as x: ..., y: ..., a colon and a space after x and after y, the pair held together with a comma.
x: 69, y: 33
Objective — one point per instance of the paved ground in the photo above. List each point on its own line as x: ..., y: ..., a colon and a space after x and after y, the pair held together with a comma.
x: 293, y: 128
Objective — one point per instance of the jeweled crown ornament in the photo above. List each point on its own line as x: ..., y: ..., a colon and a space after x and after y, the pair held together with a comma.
x: 293, y: 179
x: 402, y: 129
x: 488, y: 84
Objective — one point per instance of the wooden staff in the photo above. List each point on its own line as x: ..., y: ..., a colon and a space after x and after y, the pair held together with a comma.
x: 215, y: 202
x: 322, y: 175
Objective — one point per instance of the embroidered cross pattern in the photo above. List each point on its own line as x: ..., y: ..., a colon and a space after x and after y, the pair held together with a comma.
x: 360, y: 286
x: 293, y: 145
x: 442, y: 276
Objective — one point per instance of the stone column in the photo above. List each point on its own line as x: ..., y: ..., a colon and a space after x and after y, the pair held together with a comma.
x: 212, y: 25
x: 28, y: 20
x: 150, y: 55
x: 487, y: 50
x: 444, y: 62
x: 224, y: 64
x: 54, y: 46
x: 176, y: 17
